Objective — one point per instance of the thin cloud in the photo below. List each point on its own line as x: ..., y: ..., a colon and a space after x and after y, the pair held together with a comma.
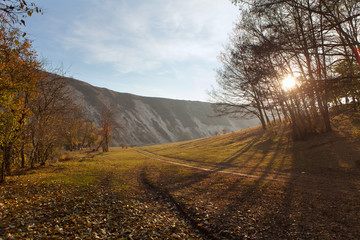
x: 139, y: 36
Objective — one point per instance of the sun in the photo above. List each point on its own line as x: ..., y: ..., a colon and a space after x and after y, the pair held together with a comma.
x: 288, y: 83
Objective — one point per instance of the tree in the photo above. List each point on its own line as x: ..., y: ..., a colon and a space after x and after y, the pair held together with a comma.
x: 242, y: 79
x: 76, y: 132
x: 19, y: 75
x: 88, y: 134
x: 347, y: 85
x: 49, y: 111
x: 312, y: 40
x: 107, y: 125
x: 15, y: 11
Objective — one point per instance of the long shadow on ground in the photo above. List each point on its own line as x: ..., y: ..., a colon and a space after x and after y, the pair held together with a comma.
x: 316, y: 202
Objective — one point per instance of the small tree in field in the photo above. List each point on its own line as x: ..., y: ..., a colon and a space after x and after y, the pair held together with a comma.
x: 107, y: 125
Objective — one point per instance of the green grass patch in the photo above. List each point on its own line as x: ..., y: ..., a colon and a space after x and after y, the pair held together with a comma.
x: 113, y: 169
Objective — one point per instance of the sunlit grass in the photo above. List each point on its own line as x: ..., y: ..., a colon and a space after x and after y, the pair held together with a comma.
x: 253, y: 149
x: 118, y: 170
x: 84, y: 169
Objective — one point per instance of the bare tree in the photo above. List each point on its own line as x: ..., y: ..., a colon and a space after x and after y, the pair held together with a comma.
x: 49, y: 109
x: 313, y: 40
x: 242, y: 81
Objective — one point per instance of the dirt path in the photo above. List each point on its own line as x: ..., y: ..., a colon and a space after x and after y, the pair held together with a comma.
x: 334, y: 183
x: 271, y: 177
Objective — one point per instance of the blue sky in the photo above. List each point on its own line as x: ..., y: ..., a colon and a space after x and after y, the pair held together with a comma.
x: 152, y: 48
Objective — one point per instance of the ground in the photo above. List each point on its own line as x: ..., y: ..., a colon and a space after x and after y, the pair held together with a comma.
x: 252, y: 184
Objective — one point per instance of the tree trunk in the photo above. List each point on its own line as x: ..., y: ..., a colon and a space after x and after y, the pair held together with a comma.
x: 2, y: 172
x: 262, y: 120
x: 22, y: 153
x: 278, y: 113
x: 324, y: 112
x: 264, y: 112
x: 105, y: 146
x: 261, y: 116
x: 7, y: 159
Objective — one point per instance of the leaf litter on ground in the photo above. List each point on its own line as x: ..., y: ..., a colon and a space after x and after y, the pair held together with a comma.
x: 59, y: 211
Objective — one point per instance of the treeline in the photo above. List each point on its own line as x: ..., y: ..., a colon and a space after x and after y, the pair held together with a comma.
x: 313, y: 41
x: 38, y: 118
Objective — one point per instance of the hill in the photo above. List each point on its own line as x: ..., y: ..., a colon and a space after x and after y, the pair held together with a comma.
x: 273, y: 150
x: 252, y: 184
x: 150, y: 120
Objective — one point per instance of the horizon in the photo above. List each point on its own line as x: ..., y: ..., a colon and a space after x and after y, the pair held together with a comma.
x: 148, y: 48
x: 144, y: 96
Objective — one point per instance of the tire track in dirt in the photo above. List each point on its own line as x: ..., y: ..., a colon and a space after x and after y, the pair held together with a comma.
x: 178, y: 208
x: 173, y: 161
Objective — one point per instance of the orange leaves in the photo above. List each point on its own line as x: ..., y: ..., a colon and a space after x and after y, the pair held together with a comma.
x: 15, y: 11
x: 18, y: 74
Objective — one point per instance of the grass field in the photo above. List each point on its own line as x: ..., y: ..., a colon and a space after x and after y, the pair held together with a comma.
x: 250, y: 184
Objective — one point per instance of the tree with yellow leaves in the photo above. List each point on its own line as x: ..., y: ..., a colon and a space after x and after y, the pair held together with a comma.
x: 19, y: 73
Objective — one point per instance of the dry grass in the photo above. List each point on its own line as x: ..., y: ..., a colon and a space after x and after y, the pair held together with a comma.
x: 255, y: 151
x: 317, y: 197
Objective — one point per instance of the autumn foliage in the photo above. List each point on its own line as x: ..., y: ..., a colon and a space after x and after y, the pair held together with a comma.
x: 35, y: 108
x: 19, y: 75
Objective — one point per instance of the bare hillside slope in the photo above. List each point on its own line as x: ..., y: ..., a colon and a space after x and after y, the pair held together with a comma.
x: 153, y: 120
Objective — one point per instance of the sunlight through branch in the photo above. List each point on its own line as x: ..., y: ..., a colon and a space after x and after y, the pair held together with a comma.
x: 288, y: 83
